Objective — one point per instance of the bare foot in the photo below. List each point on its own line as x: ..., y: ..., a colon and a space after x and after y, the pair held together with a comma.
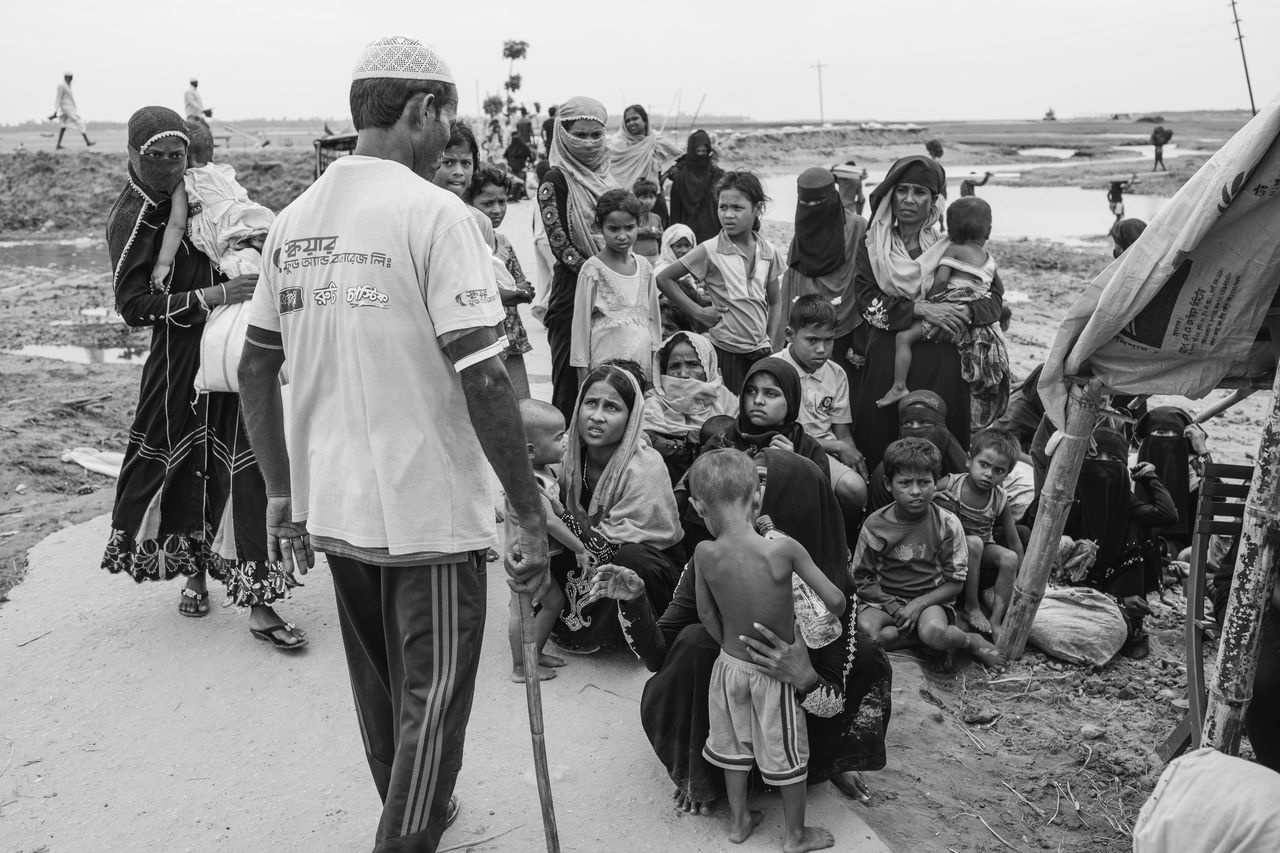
x: 986, y: 653
x: 544, y: 674
x: 684, y: 804
x: 895, y: 394
x: 853, y: 785
x: 740, y: 830
x: 545, y: 659
x: 977, y: 620
x: 809, y: 838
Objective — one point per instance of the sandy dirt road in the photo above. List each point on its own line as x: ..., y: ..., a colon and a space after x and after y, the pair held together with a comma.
x: 124, y: 726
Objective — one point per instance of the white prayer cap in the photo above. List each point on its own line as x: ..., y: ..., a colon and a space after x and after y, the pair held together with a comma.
x: 402, y: 58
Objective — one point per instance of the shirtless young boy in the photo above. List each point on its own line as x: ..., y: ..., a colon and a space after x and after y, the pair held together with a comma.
x: 743, y: 582
x: 544, y: 431
x: 912, y: 560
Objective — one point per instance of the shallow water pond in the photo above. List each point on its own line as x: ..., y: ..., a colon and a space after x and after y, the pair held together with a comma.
x: 84, y: 355
x: 86, y: 253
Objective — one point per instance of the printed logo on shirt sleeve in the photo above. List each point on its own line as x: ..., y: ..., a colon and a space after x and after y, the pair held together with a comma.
x: 478, y: 296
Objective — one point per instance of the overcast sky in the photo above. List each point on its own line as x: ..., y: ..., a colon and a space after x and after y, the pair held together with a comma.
x: 886, y: 59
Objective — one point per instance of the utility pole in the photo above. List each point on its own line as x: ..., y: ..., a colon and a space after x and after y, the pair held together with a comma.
x: 1239, y: 38
x: 822, y: 119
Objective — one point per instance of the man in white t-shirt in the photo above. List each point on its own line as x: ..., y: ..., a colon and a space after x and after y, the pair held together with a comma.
x: 378, y: 292
x: 193, y: 104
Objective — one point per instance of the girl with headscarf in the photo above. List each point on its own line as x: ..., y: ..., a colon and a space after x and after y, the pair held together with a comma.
x: 567, y: 197
x: 821, y: 259
x: 768, y: 412
x: 844, y: 686
x: 894, y: 270
x: 637, y: 153
x: 693, y: 187
x: 687, y: 391
x: 619, y: 502
x: 190, y: 499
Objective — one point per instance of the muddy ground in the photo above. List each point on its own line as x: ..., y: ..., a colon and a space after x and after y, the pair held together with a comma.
x: 965, y: 747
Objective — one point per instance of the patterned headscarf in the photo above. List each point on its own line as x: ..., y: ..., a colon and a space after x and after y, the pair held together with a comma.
x: 896, y: 272
x: 585, y: 164
x: 150, y: 182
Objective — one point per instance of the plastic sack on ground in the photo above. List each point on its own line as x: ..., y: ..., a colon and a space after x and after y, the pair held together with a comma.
x: 1078, y: 625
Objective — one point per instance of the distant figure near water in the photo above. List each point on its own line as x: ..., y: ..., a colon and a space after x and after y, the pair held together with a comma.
x: 65, y: 112
x: 193, y: 105
x: 1115, y: 195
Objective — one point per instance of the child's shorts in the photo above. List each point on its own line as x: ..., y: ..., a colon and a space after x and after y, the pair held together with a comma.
x: 755, y: 718
x: 948, y: 608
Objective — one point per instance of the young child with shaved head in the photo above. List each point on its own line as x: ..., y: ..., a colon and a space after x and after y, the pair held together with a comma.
x: 544, y: 432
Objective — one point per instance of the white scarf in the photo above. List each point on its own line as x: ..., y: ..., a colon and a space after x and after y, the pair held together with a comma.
x: 585, y: 164
x: 897, y: 273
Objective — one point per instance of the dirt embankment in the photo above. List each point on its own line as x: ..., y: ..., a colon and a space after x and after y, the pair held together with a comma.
x: 43, y: 191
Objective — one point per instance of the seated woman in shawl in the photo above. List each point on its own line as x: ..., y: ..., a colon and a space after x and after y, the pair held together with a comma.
x: 921, y: 414
x: 567, y: 197
x: 1118, y: 510
x: 822, y: 253
x: 844, y: 687
x: 693, y: 188
x: 618, y: 500
x: 894, y: 268
x: 638, y: 153
x: 687, y: 391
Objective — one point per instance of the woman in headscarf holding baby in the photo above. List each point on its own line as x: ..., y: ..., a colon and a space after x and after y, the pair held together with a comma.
x: 686, y: 393
x: 578, y: 176
x: 190, y: 499
x: 894, y: 271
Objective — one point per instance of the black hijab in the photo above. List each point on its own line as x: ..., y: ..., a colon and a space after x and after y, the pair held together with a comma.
x: 151, y: 182
x: 1170, y: 457
x: 916, y: 169
x: 818, y: 247
x: 745, y: 435
x: 1101, y: 509
x: 928, y: 407
x: 696, y: 173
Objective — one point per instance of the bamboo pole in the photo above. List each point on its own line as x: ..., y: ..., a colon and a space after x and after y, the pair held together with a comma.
x: 1055, y: 503
x: 533, y: 696
x: 1232, y: 685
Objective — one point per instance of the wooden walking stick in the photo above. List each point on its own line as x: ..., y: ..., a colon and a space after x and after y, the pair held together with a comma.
x: 1232, y: 685
x: 1055, y: 504
x: 533, y: 696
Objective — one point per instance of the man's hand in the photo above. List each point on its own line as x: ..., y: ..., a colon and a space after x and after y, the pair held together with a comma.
x: 527, y: 563
x: 287, y: 541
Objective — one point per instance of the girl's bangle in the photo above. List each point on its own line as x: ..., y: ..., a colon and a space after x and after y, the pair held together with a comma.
x: 224, y: 293
x: 200, y: 298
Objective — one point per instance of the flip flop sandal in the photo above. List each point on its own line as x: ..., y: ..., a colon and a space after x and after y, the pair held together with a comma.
x: 200, y: 598
x: 451, y: 812
x: 272, y: 636
x: 492, y: 556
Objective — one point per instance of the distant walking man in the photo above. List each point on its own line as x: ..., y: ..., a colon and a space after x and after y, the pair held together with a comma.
x: 64, y: 111
x: 194, y: 105
x: 378, y: 291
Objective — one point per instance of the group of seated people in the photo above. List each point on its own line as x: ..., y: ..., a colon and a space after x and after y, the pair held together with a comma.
x: 911, y: 518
